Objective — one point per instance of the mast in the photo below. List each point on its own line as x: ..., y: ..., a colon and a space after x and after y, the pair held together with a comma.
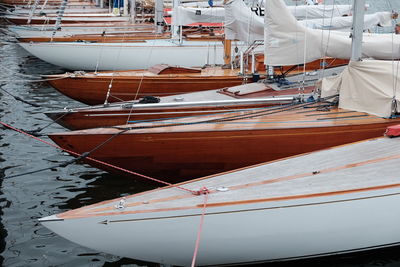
x: 133, y: 11
x: 358, y: 27
x: 227, y: 52
x: 175, y: 24
x: 158, y: 21
x: 125, y: 8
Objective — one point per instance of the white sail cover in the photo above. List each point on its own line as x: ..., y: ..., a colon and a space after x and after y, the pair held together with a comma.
x: 242, y: 24
x: 287, y: 42
x: 189, y: 15
x: 383, y: 19
x: 368, y: 86
x: 302, y: 12
x: 318, y: 11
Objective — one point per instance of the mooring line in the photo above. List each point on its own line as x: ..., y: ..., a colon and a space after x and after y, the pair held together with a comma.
x: 99, y: 161
x: 205, y: 192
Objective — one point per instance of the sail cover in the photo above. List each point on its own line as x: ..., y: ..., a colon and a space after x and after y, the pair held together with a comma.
x: 370, y: 86
x: 189, y: 15
x: 287, y: 42
x: 302, y: 12
x: 383, y: 19
x: 319, y: 11
x: 242, y: 24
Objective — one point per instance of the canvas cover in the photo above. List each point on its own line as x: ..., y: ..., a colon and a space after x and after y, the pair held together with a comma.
x: 368, y: 86
x: 302, y: 12
x: 241, y: 23
x: 383, y: 19
x: 287, y: 42
x: 244, y: 25
x: 189, y: 15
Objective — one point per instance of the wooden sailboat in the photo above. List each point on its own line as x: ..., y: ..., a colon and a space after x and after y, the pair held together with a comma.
x: 247, y: 96
x: 198, y: 146
x: 162, y: 80
x: 334, y: 201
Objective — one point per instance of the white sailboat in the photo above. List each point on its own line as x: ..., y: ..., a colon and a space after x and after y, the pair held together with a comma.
x: 334, y: 201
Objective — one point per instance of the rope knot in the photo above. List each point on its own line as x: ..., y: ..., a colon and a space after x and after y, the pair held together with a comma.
x: 203, y: 191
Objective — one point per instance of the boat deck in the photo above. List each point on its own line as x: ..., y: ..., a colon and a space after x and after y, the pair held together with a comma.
x: 345, y: 171
x: 298, y: 116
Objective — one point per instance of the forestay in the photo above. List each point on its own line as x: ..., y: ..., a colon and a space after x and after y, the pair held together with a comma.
x: 368, y: 86
x: 287, y: 42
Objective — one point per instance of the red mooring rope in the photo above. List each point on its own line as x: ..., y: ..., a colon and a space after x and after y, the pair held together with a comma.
x: 98, y: 161
x: 205, y: 192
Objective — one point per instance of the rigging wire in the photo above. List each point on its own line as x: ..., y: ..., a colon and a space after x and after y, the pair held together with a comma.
x: 246, y: 115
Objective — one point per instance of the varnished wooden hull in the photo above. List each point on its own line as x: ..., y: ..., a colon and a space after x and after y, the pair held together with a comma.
x: 93, y: 91
x: 189, y: 151
x: 88, y: 118
x: 52, y: 20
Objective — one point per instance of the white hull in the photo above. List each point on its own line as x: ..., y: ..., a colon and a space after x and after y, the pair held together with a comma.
x: 333, y: 201
x: 124, y: 56
x: 260, y: 232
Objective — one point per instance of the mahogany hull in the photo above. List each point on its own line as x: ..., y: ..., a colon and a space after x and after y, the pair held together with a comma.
x: 93, y: 91
x: 86, y: 119
x: 176, y: 156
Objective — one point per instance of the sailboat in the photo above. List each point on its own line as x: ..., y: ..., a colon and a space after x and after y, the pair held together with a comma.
x: 164, y: 80
x: 247, y: 96
x: 330, y: 202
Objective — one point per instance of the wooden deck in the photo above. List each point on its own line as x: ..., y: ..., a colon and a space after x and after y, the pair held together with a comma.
x: 344, y: 171
x: 197, y: 146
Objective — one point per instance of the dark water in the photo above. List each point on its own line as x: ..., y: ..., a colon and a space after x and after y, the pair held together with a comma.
x: 24, y: 199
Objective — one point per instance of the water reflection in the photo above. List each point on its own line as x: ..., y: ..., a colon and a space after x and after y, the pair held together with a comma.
x: 101, y: 187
